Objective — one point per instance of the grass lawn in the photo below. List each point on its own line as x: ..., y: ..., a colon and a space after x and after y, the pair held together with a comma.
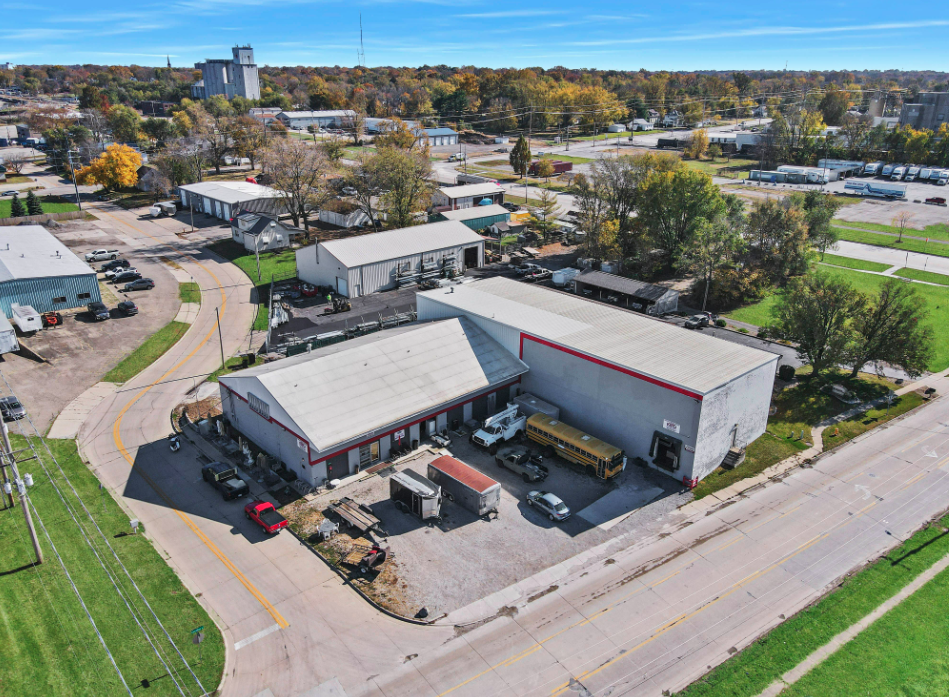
x: 610, y: 136
x: 280, y: 265
x: 150, y: 351
x: 131, y: 198
x: 910, y: 641
x: 568, y: 158
x: 232, y: 365
x: 921, y: 246
x: 920, y: 275
x: 849, y: 263
x: 51, y: 204
x: 16, y: 179
x: 937, y: 302
x: 851, y: 428
x: 189, y: 292
x: 737, y: 168
x: 797, y: 409
x: 937, y: 231
x: 46, y: 633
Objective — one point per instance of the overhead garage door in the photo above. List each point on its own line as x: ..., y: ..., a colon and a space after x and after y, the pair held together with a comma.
x: 342, y: 287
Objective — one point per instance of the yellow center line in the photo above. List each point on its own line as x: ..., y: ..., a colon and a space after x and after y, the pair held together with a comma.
x: 117, y: 437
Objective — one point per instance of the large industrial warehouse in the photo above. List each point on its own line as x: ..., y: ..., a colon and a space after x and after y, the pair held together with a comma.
x: 225, y: 200
x: 342, y: 408
x: 680, y: 400
x: 38, y: 270
x: 367, y: 264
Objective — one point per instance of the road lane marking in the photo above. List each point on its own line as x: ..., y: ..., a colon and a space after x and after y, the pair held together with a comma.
x: 254, y: 637
x: 117, y: 438
x: 744, y: 533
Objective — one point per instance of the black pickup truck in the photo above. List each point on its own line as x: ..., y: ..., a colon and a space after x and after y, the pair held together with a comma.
x: 223, y: 477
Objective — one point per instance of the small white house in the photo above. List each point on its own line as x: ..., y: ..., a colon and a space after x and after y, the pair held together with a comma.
x: 262, y: 233
x: 617, y: 128
x: 641, y: 125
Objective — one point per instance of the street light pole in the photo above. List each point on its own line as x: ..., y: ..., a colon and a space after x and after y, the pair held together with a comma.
x: 217, y: 312
x: 73, y: 170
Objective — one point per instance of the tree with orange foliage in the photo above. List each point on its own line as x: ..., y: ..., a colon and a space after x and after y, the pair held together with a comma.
x: 116, y: 167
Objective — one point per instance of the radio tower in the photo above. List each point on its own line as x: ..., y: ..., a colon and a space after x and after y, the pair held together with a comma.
x: 361, y: 54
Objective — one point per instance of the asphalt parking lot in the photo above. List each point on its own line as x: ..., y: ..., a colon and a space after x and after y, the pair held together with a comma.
x: 80, y: 351
x: 446, y: 566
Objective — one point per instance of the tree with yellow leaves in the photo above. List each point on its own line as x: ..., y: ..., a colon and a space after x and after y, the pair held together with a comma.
x: 116, y: 167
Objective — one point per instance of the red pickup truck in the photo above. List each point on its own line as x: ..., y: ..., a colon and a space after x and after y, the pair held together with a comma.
x: 265, y: 515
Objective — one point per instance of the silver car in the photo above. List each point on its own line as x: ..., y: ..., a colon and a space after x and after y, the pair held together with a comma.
x: 548, y: 503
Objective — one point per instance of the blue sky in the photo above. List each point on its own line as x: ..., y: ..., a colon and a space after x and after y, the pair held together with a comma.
x: 599, y: 34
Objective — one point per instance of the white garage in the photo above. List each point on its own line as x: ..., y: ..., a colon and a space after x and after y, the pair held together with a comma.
x: 379, y: 261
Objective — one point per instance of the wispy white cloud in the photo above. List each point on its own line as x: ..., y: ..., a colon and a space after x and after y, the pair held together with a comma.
x: 501, y: 14
x: 38, y: 34
x: 766, y: 31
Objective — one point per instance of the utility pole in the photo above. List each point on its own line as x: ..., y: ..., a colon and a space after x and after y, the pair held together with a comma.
x: 217, y: 312
x: 73, y: 170
x: 21, y: 486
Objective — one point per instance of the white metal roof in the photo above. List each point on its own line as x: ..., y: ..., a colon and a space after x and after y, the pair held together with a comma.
x: 471, y: 190
x: 30, y: 251
x: 400, y: 243
x: 651, y: 347
x: 230, y: 192
x: 339, y: 392
x: 476, y: 212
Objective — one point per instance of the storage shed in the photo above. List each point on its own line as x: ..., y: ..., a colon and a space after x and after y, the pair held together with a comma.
x: 365, y: 264
x: 467, y: 195
x: 680, y: 400
x: 626, y: 292
x: 341, y: 408
x: 225, y: 200
x: 38, y: 270
x: 478, y: 217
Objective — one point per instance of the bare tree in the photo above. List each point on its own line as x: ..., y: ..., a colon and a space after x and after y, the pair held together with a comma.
x: 902, y: 219
x: 15, y: 162
x: 192, y: 151
x: 299, y: 176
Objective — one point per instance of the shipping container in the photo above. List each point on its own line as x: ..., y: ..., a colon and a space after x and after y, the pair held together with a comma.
x: 465, y: 486
x: 529, y: 405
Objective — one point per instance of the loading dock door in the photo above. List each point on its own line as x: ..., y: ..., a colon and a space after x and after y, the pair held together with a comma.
x: 471, y: 257
x: 342, y: 287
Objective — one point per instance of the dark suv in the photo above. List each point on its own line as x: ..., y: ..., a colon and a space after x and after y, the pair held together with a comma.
x: 126, y: 276
x: 115, y: 264
x: 98, y: 311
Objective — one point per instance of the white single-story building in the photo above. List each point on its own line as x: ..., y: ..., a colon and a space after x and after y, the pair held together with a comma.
x: 340, y: 409
x: 366, y: 264
x: 641, y: 125
x: 438, y: 136
x: 678, y: 399
x: 616, y: 128
x: 262, y: 233
x: 323, y: 119
x: 467, y: 196
x: 225, y: 200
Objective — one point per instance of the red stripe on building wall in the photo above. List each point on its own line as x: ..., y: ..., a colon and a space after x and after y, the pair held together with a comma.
x: 606, y: 364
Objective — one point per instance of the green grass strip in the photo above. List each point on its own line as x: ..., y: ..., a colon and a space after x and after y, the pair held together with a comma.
x: 936, y: 231
x: 189, y: 292
x: 908, y: 245
x: 748, y: 673
x: 849, y: 263
x: 47, y: 636
x: 150, y: 351
x: 279, y: 265
x: 920, y: 275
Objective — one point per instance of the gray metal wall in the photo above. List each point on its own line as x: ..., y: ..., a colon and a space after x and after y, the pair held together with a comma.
x: 618, y: 408
x: 40, y: 292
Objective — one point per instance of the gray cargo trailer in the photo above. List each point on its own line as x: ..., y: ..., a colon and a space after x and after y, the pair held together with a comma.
x: 465, y: 486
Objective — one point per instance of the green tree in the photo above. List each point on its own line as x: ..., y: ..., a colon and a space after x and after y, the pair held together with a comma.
x: 834, y: 106
x: 545, y: 169
x: 520, y: 157
x: 819, y: 209
x: 544, y: 213
x: 33, y: 205
x: 333, y: 148
x: 159, y: 130
x: 891, y: 330
x: 777, y: 234
x: 672, y: 205
x: 394, y: 181
x: 125, y: 123
x: 715, y: 244
x: 17, y: 210
x: 814, y: 312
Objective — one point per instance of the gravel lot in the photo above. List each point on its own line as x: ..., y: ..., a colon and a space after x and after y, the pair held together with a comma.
x: 447, y: 566
x: 79, y: 351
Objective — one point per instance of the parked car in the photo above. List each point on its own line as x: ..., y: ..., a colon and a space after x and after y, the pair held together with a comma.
x: 112, y: 273
x: 114, y: 265
x: 98, y: 311
x: 349, y: 191
x: 127, y: 308
x: 140, y: 284
x: 513, y: 207
x: 696, y: 322
x: 548, y: 503
x: 525, y: 268
x: 102, y: 255
x: 223, y: 477
x: 500, y: 150
x: 520, y: 460
x: 265, y: 515
x: 126, y: 276
x: 537, y: 275
x: 11, y: 409
x: 9, y: 193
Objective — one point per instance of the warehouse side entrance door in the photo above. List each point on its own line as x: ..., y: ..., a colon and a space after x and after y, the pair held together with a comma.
x: 471, y: 257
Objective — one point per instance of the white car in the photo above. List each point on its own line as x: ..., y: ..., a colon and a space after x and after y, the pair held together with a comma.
x: 102, y: 255
x: 111, y: 273
x: 548, y: 503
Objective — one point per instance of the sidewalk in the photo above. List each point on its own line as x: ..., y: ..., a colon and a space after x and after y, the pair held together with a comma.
x: 824, y: 652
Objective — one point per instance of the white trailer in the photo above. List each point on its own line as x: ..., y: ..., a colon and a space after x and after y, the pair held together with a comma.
x: 8, y: 342
x: 26, y: 318
x: 562, y: 277
x: 875, y: 190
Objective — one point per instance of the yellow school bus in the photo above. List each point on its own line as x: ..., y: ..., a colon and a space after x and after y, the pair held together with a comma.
x: 576, y: 446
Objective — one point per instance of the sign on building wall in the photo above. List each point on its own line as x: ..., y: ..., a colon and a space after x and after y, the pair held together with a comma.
x: 258, y: 405
x: 671, y: 426
x: 301, y: 444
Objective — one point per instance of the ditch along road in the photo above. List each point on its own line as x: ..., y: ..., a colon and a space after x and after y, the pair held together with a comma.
x: 651, y: 617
